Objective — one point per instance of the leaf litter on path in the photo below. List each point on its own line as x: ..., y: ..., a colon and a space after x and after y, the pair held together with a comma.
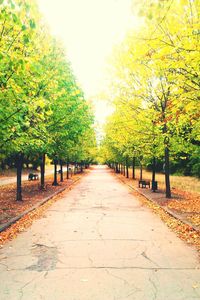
x: 187, y: 202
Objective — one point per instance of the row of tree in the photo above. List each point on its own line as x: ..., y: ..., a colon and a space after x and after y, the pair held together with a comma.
x: 42, y: 108
x: 156, y: 90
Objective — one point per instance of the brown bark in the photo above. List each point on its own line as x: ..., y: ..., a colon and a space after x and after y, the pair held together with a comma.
x: 154, y: 169
x: 55, y: 182
x: 133, y: 167
x: 140, y: 171
x: 167, y: 173
x: 61, y: 171
x: 167, y: 169
x: 42, y: 172
x: 19, y: 163
x: 127, y: 171
x: 67, y: 170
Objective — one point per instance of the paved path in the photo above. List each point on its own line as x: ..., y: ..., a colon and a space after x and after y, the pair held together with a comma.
x: 98, y: 243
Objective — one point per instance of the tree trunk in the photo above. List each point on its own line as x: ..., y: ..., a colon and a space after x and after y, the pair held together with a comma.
x: 154, y: 169
x: 10, y: 163
x: 61, y: 171
x: 3, y: 165
x: 19, y: 163
x: 55, y: 182
x: 133, y: 168
x: 140, y: 171
x: 124, y: 170
x: 67, y: 170
x: 167, y: 173
x: 127, y: 172
x: 35, y: 166
x: 118, y: 168
x: 42, y: 172
x: 81, y: 167
x: 167, y: 170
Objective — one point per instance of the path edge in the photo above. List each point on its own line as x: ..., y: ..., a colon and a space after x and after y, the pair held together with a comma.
x: 167, y: 210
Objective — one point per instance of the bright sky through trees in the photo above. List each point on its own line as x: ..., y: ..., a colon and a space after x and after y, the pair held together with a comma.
x: 89, y: 29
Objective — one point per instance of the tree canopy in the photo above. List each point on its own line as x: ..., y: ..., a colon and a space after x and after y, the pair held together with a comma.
x: 42, y: 107
x: 155, y: 88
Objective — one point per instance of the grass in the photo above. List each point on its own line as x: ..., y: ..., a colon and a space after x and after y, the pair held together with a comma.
x: 184, y: 183
x: 12, y: 172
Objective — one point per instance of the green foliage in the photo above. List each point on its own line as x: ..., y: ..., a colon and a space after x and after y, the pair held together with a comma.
x: 155, y: 88
x: 42, y: 108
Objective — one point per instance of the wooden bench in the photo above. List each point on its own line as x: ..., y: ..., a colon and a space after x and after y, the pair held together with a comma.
x: 144, y: 183
x: 33, y: 176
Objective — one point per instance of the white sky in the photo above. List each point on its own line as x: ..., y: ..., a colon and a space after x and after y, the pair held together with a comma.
x: 89, y: 29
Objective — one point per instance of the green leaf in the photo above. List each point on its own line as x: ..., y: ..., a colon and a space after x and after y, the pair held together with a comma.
x: 1, y: 1
x: 32, y: 24
x: 15, y: 19
x: 11, y: 4
x: 27, y: 7
x: 26, y: 39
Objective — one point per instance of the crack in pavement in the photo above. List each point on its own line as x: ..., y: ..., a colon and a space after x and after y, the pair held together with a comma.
x: 97, y: 226
x: 155, y: 290
x: 98, y: 240
x: 117, y: 277
x: 26, y: 284
x: 149, y: 259
x: 91, y: 260
x: 136, y: 290
x: 114, y: 268
x: 6, y: 266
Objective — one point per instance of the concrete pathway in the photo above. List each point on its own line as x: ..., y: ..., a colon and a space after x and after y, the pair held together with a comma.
x: 99, y: 243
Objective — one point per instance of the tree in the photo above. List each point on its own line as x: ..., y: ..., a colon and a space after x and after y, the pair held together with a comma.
x: 155, y: 75
x: 42, y: 109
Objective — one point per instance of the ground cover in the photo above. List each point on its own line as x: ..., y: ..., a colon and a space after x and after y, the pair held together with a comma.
x: 178, y: 183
